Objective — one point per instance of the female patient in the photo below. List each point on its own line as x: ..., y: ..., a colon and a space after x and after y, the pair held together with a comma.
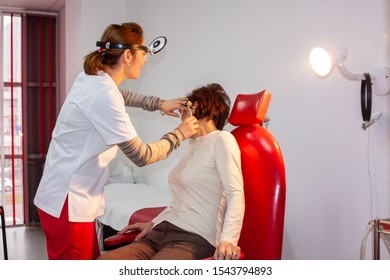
x: 205, y: 215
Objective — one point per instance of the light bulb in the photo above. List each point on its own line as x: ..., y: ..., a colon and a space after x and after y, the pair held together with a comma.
x: 321, y: 62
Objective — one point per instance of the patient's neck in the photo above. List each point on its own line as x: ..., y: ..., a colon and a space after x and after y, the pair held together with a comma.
x: 205, y: 127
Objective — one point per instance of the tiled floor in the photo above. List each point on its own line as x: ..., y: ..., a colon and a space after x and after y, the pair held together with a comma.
x: 24, y: 243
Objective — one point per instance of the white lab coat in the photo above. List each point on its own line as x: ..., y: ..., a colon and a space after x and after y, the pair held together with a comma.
x: 92, y: 120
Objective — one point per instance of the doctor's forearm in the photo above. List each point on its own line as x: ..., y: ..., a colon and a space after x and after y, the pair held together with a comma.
x: 134, y: 99
x: 143, y: 154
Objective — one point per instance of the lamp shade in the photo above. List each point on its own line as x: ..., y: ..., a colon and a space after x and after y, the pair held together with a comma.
x: 321, y: 62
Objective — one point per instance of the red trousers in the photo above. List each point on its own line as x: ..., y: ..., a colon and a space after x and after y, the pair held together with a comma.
x: 67, y: 240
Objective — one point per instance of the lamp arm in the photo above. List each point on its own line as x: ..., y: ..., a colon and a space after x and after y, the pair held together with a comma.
x: 380, y: 78
x: 350, y: 76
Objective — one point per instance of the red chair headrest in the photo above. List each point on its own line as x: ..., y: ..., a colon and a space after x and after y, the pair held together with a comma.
x: 250, y: 109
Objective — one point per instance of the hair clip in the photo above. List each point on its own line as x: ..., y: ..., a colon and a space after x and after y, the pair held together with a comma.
x: 101, y: 50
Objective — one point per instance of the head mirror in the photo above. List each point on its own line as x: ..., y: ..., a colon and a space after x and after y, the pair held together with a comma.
x: 157, y: 44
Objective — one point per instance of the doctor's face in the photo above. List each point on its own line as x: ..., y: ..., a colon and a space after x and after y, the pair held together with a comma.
x: 138, y: 60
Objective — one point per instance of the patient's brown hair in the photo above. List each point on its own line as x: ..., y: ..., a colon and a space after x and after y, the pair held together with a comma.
x: 125, y: 33
x: 212, y: 103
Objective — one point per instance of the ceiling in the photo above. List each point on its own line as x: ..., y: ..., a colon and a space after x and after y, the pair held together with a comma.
x: 34, y: 5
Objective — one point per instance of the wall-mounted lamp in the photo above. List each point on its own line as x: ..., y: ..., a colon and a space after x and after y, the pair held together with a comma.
x: 323, y: 61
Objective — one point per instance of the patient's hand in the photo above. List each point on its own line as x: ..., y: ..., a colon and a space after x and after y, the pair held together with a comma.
x: 144, y: 229
x: 227, y: 251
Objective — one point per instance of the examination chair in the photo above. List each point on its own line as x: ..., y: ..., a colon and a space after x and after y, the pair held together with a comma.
x: 264, y: 183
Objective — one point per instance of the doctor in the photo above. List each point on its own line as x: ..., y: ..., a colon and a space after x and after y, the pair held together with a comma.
x: 91, y: 126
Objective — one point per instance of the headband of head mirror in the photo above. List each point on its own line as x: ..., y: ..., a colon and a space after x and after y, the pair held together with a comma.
x: 154, y: 47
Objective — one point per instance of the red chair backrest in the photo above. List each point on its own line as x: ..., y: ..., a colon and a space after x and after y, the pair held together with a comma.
x: 264, y: 178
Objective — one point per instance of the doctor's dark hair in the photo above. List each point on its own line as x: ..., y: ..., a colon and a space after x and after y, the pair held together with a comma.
x: 212, y: 103
x: 125, y: 33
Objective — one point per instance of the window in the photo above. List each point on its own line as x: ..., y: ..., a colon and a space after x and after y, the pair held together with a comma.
x: 11, y: 171
x: 27, y: 108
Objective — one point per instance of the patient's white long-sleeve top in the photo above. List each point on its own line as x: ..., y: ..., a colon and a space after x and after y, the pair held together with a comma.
x: 207, y: 189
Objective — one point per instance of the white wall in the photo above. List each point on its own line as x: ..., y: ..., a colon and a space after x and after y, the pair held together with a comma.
x: 251, y: 45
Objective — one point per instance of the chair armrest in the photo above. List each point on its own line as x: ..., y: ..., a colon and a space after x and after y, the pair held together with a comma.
x: 121, y: 239
x: 140, y: 216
